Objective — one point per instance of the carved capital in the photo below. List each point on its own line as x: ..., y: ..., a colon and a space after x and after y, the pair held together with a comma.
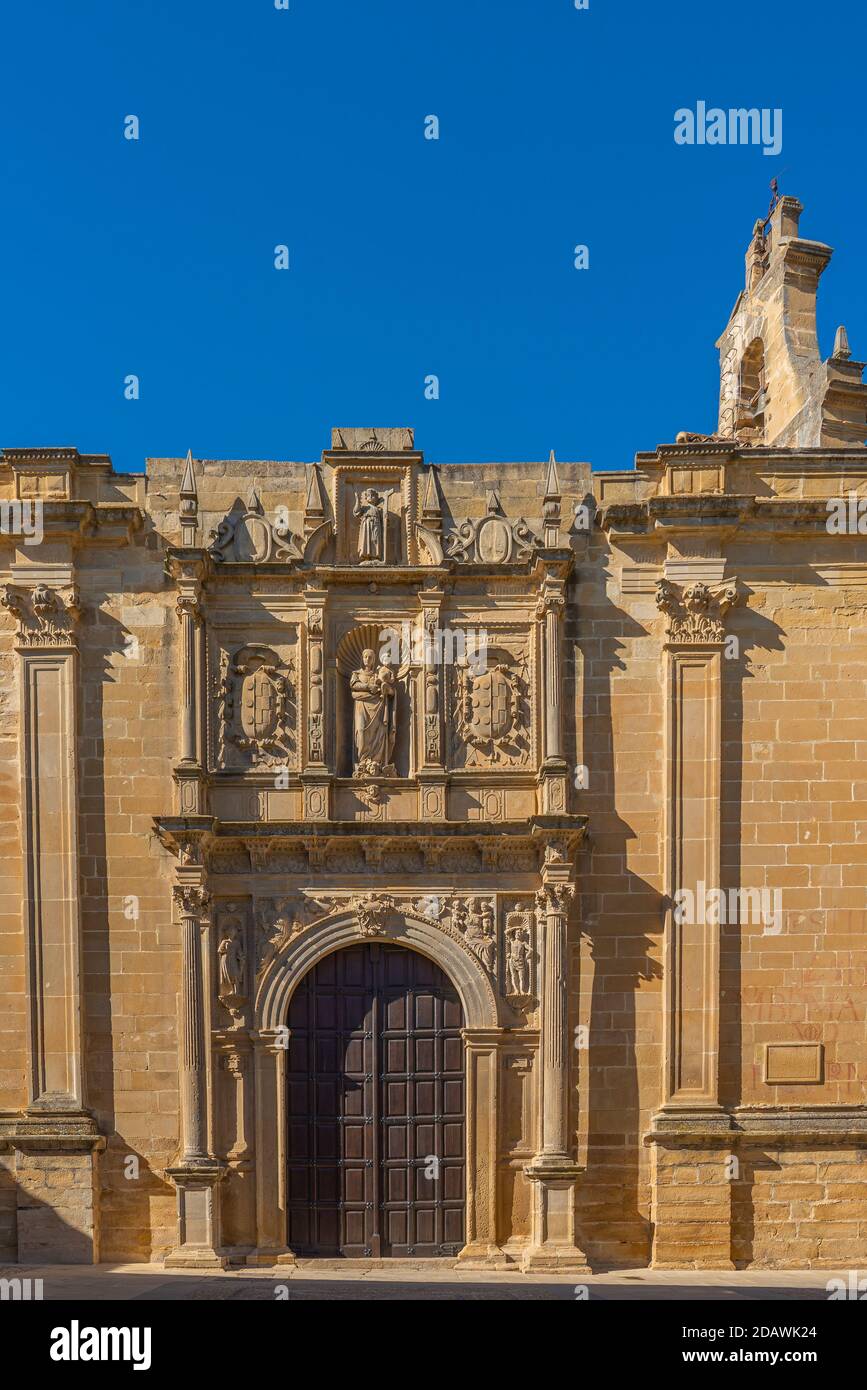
x: 549, y: 601
x: 696, y: 612
x: 191, y: 900
x: 45, y: 617
x: 554, y: 898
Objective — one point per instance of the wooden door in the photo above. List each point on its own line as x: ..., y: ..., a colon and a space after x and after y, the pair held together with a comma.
x: 375, y: 1107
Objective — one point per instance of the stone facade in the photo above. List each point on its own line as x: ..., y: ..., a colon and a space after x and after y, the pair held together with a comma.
x: 591, y: 743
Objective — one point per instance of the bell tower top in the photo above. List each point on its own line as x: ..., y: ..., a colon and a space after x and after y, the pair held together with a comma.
x: 774, y: 387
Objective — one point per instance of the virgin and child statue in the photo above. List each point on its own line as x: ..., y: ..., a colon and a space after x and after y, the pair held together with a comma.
x: 373, y: 718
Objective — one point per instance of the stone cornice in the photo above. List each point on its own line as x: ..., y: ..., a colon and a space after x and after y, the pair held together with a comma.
x: 772, y: 1125
x: 664, y: 518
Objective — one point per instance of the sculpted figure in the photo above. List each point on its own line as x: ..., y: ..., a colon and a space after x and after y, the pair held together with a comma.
x: 518, y: 962
x: 373, y: 718
x: 370, y: 507
x: 480, y: 932
x: 231, y: 957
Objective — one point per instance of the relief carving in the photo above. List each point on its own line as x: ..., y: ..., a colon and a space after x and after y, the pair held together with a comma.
x: 493, y: 540
x: 247, y: 536
x: 492, y: 713
x: 473, y: 919
x: 256, y: 714
x: 695, y: 612
x: 45, y: 617
x: 232, y: 962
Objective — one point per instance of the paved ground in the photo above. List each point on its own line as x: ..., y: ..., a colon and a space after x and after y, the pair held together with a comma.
x: 311, y: 1281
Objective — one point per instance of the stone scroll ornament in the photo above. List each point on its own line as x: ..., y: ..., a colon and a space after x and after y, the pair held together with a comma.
x: 492, y: 540
x: 695, y: 612
x: 255, y: 701
x: 246, y: 536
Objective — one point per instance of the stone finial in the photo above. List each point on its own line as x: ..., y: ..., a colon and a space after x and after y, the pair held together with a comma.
x: 188, y: 509
x: 551, y: 504
x: 841, y: 351
x: 432, y: 510
x: 316, y: 501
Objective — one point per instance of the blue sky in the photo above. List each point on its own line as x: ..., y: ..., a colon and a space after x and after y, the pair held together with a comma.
x: 408, y: 257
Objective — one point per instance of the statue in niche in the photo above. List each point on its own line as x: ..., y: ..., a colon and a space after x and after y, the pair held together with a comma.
x: 372, y: 508
x: 373, y: 717
x: 518, y: 962
x: 230, y: 956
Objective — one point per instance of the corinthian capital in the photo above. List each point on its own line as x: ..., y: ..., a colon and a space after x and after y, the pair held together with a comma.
x: 45, y: 617
x: 696, y: 612
x: 190, y: 899
x: 554, y: 898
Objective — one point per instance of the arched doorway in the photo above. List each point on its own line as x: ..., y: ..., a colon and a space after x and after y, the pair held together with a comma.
x: 375, y: 1104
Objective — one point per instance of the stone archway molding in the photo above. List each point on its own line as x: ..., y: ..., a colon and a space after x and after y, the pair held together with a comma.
x: 405, y: 927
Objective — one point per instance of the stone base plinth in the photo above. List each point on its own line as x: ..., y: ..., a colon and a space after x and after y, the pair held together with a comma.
x: 50, y: 1192
x: 553, y: 1245
x: 197, y: 1186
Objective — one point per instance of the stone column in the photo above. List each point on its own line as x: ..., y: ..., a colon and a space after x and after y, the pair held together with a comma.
x: 269, y: 1057
x: 48, y: 651
x: 432, y: 775
x: 197, y: 1172
x: 689, y: 1131
x: 55, y: 1143
x: 187, y: 569
x: 315, y: 775
x: 549, y: 614
x: 553, y: 1171
x: 693, y: 752
x: 482, y: 1105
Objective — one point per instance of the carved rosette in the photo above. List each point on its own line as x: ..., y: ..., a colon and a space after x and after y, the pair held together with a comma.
x: 696, y: 612
x: 44, y: 617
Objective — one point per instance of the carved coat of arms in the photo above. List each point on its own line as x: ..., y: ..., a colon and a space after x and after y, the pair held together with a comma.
x: 255, y: 697
x: 492, y: 714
